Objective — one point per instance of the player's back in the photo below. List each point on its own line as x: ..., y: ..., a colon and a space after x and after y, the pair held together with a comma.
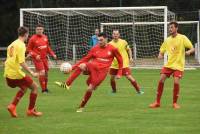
x: 15, y: 56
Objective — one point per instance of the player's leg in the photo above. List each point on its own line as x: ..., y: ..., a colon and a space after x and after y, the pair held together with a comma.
x: 46, y: 68
x: 86, y: 97
x: 113, y: 73
x: 134, y: 83
x: 177, y: 76
x: 159, y: 91
x: 32, y: 101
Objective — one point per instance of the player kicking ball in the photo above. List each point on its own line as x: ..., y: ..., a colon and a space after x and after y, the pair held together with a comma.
x: 15, y: 77
x: 174, y: 46
x: 96, y: 64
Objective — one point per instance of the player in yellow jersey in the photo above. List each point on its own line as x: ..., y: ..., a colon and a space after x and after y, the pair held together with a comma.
x: 126, y: 54
x: 174, y: 46
x: 15, y: 77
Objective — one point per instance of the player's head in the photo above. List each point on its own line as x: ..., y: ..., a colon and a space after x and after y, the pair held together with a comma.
x: 116, y: 34
x: 173, y: 28
x: 96, y: 31
x: 23, y: 32
x: 102, y: 39
x: 39, y: 29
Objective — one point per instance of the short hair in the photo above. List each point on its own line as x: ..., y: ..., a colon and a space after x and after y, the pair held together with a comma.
x: 102, y: 34
x: 22, y: 31
x: 39, y: 25
x: 174, y: 23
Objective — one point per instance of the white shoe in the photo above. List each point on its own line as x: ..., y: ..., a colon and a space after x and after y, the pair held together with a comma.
x: 80, y: 110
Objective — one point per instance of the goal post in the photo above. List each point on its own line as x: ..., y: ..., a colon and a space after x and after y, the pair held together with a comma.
x: 69, y: 29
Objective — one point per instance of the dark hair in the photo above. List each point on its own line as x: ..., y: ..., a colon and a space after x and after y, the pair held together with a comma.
x: 22, y: 31
x: 174, y: 23
x: 102, y: 34
x: 39, y: 25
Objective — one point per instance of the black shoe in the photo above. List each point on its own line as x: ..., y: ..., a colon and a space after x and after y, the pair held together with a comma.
x: 45, y: 91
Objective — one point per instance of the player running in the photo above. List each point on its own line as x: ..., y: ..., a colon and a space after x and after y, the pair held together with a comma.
x: 15, y: 77
x: 174, y: 46
x: 96, y: 64
x: 126, y: 54
x: 39, y: 48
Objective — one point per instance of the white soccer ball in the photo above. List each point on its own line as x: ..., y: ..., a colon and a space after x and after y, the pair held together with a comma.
x: 65, y: 67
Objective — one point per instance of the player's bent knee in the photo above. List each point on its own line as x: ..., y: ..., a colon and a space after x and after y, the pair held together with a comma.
x: 82, y: 66
x: 42, y: 73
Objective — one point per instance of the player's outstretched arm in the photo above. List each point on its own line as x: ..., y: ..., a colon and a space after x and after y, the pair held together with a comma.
x: 190, y: 51
x: 25, y: 67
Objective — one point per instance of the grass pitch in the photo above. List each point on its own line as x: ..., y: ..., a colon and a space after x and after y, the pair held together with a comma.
x: 122, y: 113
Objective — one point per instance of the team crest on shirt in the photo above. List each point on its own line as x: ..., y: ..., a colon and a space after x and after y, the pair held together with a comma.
x: 109, y: 53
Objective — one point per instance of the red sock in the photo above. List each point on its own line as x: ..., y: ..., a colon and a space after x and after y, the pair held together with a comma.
x: 85, y: 98
x: 18, y: 96
x: 113, y: 85
x: 73, y: 76
x: 176, y: 92
x: 32, y: 100
x: 42, y: 80
x: 134, y: 83
x: 46, y: 81
x: 159, y: 91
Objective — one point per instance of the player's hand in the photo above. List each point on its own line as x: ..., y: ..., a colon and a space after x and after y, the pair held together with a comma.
x: 131, y: 60
x: 55, y: 57
x: 160, y: 56
x: 34, y: 74
x: 28, y: 56
x: 38, y: 57
x: 118, y: 76
x: 187, y: 53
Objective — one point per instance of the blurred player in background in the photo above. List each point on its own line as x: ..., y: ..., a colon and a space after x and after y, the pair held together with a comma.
x: 39, y: 48
x: 94, y: 39
x: 96, y: 64
x: 15, y: 77
x: 174, y: 46
x: 126, y: 54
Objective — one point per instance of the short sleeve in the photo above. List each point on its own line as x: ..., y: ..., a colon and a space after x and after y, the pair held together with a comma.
x: 187, y: 43
x: 163, y: 47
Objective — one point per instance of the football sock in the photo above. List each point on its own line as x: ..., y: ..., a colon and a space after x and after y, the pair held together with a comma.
x: 18, y: 96
x: 113, y: 85
x: 159, y: 91
x: 46, y: 81
x: 42, y: 80
x: 32, y: 100
x: 134, y: 83
x: 73, y: 76
x: 85, y: 98
x: 176, y: 92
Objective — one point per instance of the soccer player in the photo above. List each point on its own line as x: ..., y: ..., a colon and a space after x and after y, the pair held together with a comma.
x: 126, y: 54
x: 174, y: 46
x: 96, y: 63
x: 39, y: 48
x: 15, y: 77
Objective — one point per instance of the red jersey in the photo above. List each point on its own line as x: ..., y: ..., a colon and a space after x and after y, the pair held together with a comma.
x: 102, y: 57
x: 39, y: 45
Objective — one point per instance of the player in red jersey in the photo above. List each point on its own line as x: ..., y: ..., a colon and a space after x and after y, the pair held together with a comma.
x: 39, y: 48
x: 96, y: 64
x: 15, y: 77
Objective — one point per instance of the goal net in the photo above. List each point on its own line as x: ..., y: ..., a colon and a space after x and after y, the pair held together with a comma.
x: 69, y: 29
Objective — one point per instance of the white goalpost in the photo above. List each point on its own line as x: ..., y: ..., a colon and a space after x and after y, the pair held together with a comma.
x: 69, y: 29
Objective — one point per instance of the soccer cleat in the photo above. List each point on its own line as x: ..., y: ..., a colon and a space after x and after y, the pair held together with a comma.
x: 140, y: 92
x: 154, y: 105
x: 176, y: 106
x: 45, y: 91
x: 80, y: 110
x: 33, y: 112
x: 62, y: 85
x: 12, y: 109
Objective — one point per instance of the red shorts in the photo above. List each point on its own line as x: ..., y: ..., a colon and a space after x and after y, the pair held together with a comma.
x: 41, y: 64
x: 168, y: 72
x: 96, y: 76
x: 23, y: 83
x: 125, y: 71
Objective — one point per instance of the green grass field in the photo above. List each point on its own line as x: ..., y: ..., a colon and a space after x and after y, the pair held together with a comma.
x: 122, y: 113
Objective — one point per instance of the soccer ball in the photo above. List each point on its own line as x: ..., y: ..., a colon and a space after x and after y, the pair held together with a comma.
x: 65, y: 67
